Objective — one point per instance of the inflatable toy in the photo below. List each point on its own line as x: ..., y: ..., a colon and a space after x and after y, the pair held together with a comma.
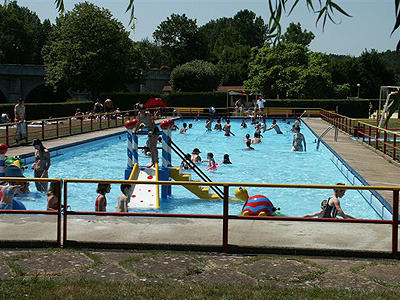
x: 15, y: 161
x: 257, y: 205
x: 13, y: 171
x: 18, y: 205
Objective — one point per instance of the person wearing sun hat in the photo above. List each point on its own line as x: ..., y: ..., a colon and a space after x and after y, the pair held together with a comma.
x: 195, y: 158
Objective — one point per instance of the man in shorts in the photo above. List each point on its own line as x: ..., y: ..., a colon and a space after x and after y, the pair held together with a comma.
x: 19, y: 118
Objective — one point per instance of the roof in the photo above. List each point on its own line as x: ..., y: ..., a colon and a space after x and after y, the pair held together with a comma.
x: 167, y: 88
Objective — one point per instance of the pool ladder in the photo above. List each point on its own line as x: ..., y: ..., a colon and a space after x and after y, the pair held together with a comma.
x: 325, y: 132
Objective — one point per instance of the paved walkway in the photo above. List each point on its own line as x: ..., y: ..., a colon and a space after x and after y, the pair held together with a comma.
x: 186, y: 268
x: 371, y: 165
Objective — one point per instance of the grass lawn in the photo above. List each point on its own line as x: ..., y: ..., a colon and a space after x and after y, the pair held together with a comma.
x: 84, y: 289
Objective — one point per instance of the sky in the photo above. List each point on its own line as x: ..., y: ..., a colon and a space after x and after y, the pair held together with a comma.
x: 368, y: 28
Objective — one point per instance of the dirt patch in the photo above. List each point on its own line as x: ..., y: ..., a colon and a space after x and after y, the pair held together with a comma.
x: 340, y: 265
x: 102, y: 272
x: 389, y: 274
x: 221, y: 260
x: 53, y: 262
x: 278, y: 269
x: 5, y: 271
x: 220, y: 276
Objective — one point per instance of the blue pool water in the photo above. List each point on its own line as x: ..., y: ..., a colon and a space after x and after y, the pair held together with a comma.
x: 270, y: 162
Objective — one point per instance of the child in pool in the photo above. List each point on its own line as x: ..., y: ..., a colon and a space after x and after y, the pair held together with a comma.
x: 184, y: 164
x: 218, y: 126
x: 227, y: 128
x: 248, y: 144
x: 183, y: 129
x: 212, y: 165
x: 247, y: 138
x: 124, y: 198
x: 319, y: 213
x: 101, y: 200
x: 195, y: 158
x: 226, y: 160
x: 52, y: 196
x: 243, y: 125
x: 209, y: 124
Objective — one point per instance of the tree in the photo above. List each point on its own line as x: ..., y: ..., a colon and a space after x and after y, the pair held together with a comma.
x: 179, y: 39
x: 90, y: 50
x: 295, y: 35
x: 22, y: 35
x: 152, y: 53
x: 195, y: 76
x: 234, y: 64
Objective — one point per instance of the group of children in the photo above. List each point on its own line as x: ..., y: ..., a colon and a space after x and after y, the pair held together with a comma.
x: 123, y: 199
x: 195, y: 159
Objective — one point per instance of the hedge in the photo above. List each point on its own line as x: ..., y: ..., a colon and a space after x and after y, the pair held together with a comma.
x: 125, y: 101
x: 37, y: 111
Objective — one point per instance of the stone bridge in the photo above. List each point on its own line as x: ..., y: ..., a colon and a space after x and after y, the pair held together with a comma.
x: 17, y: 81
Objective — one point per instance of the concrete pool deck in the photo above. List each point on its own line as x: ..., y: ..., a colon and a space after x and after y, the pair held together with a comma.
x: 243, y: 233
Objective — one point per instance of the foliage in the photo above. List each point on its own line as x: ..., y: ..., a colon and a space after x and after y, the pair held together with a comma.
x: 294, y: 34
x: 289, y: 71
x: 152, y: 54
x: 194, y: 76
x: 22, y: 35
x: 199, y: 99
x: 233, y: 64
x: 179, y: 39
x: 89, y: 49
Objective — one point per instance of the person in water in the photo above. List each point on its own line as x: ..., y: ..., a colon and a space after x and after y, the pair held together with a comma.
x: 298, y: 141
x: 218, y: 126
x: 52, y: 196
x: 209, y: 124
x: 249, y: 147
x: 257, y: 138
x: 124, y: 198
x: 185, y: 164
x: 243, y: 125
x: 247, y: 138
x: 319, y: 213
x: 211, y: 162
x: 41, y: 165
x: 101, y: 200
x: 183, y: 129
x: 227, y: 128
x: 274, y: 126
x: 195, y: 156
x: 333, y: 207
x: 226, y: 160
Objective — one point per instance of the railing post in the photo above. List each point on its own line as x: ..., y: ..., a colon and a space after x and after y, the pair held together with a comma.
x: 91, y: 123
x: 26, y: 127
x: 59, y: 218
x: 394, y: 147
x: 369, y: 135
x: 225, y: 219
x: 108, y: 121
x: 101, y: 116
x: 384, y: 141
x: 42, y: 130
x: 64, y: 239
x: 57, y: 128
x: 377, y: 135
x: 395, y: 222
x: 7, y: 136
x: 70, y: 126
x: 81, y: 124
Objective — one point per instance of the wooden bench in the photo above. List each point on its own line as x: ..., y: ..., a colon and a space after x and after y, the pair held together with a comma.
x: 189, y: 110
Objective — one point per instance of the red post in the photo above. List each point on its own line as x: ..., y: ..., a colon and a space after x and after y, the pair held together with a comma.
x: 395, y: 222
x: 7, y: 136
x: 57, y: 128
x: 377, y: 135
x: 59, y: 219
x: 81, y: 124
x: 369, y: 135
x: 225, y: 219
x: 394, y: 147
x: 70, y: 126
x: 384, y: 141
x: 65, y: 214
x: 91, y: 123
x: 42, y: 129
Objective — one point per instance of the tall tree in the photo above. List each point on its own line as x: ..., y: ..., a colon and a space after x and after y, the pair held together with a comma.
x: 22, y: 35
x: 294, y: 34
x: 90, y: 50
x: 179, y: 38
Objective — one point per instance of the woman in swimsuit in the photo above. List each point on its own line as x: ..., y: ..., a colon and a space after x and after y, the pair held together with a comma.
x: 298, y: 141
x: 333, y: 207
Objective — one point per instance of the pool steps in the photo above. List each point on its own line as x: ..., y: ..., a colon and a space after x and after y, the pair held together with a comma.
x: 201, y: 192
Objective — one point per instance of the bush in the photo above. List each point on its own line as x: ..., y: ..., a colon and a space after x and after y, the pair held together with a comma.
x: 195, y: 76
x: 37, y: 111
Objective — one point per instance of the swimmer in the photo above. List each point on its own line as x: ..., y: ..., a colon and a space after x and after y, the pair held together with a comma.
x: 298, y: 141
x: 212, y: 166
x: 190, y: 125
x: 183, y: 129
x: 319, y: 213
x: 249, y: 147
x: 257, y: 138
x: 185, y: 164
x: 274, y: 126
x: 297, y: 123
x: 227, y: 128
x: 124, y: 198
x: 174, y: 127
x: 52, y: 196
x: 218, y: 126
x: 333, y: 207
x: 209, y: 124
x: 101, y: 200
x: 247, y: 138
x: 243, y: 125
x: 195, y: 158
x: 226, y: 160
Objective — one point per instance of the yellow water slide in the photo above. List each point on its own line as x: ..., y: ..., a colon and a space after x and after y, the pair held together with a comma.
x: 201, y: 192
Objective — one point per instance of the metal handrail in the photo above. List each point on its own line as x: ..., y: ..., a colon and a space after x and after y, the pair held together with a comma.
x: 195, y: 168
x: 323, y: 134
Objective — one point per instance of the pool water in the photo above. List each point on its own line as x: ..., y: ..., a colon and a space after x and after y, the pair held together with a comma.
x: 270, y: 162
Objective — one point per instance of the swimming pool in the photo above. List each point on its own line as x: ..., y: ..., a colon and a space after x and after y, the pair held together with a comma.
x: 270, y: 162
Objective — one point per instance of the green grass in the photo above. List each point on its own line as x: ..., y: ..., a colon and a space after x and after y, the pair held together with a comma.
x: 84, y: 289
